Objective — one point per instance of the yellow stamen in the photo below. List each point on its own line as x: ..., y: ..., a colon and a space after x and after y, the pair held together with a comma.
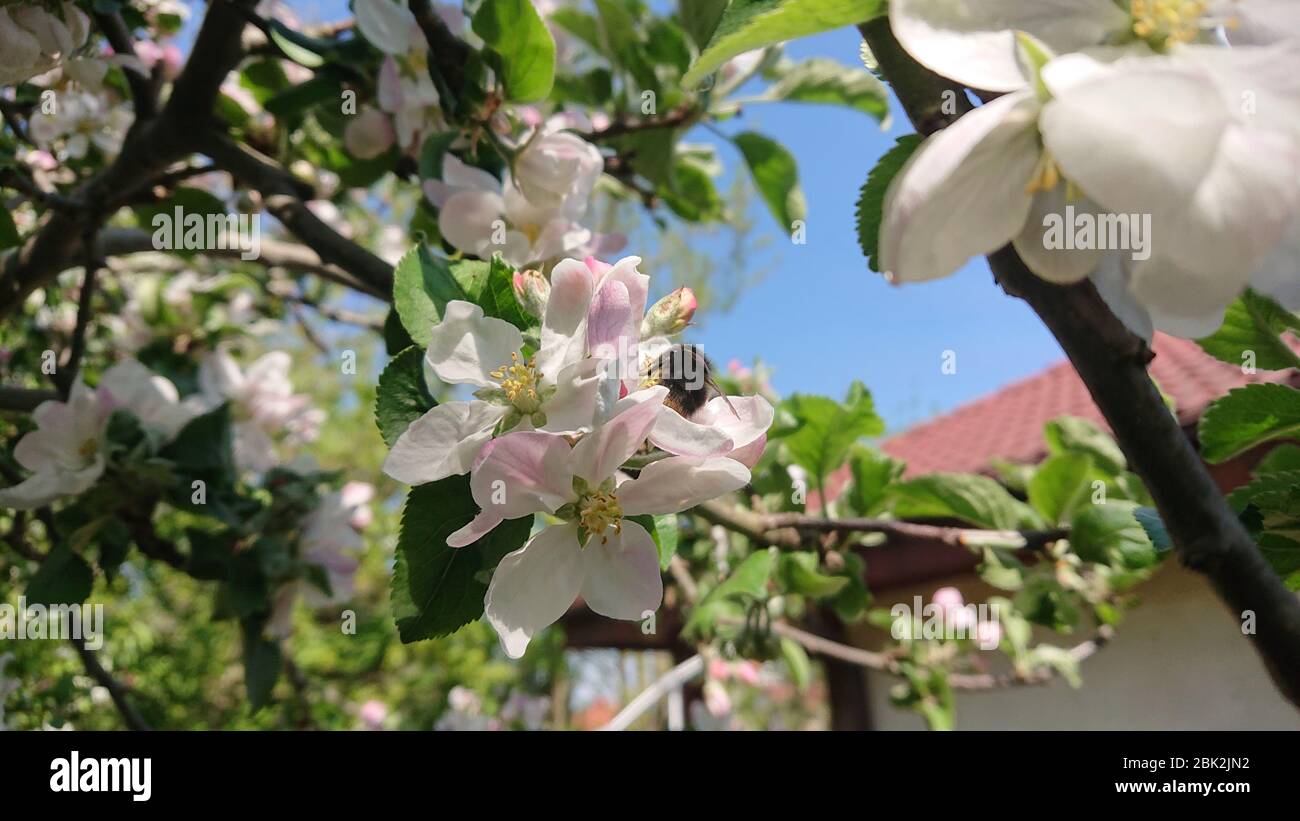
x: 1046, y: 175
x: 519, y: 380
x: 1161, y: 22
x: 598, y: 511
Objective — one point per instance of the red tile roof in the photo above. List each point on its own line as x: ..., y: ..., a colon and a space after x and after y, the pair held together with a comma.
x: 1008, y: 424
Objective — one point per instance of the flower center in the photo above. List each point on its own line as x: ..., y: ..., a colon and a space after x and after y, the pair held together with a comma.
x: 1046, y: 174
x: 1162, y: 22
x: 88, y: 449
x: 519, y: 380
x: 598, y: 510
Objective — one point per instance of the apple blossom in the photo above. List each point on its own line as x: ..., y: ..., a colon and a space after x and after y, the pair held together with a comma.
x: 66, y: 451
x: 1163, y: 137
x: 263, y: 405
x: 34, y: 40
x: 479, y: 214
x: 369, y: 134
x: 554, y: 390
x: 389, y: 25
x: 973, y: 41
x: 329, y: 541
x: 407, y: 93
x: 82, y: 120
x: 670, y: 315
x: 595, y: 551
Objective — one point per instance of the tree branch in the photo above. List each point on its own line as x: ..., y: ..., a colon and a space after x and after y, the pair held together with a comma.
x: 119, y: 37
x: 283, y: 195
x: 1111, y: 361
x: 116, y: 690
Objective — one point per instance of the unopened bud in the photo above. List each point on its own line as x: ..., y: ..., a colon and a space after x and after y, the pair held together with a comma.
x: 532, y: 290
x: 669, y: 315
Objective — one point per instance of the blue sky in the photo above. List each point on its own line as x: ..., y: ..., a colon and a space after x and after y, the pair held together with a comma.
x: 821, y: 319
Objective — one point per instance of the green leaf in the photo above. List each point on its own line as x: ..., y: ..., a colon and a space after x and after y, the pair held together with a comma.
x: 824, y: 430
x: 822, y: 80
x: 497, y: 298
x: 402, y: 396
x: 871, y: 201
x: 1111, y: 534
x: 294, y: 45
x: 751, y: 24
x: 696, y: 199
x: 262, y: 664
x: 1155, y: 529
x: 798, y: 572
x: 621, y: 34
x: 1060, y: 485
x: 796, y: 659
x: 437, y: 589
x: 1071, y: 434
x: 665, y: 532
x: 299, y: 98
x: 1247, y: 417
x: 851, y: 603
x: 775, y: 175
x: 64, y: 577
x: 1252, y: 324
x: 422, y: 286
x: 1001, y: 569
x: 978, y: 500
x: 749, y: 579
x: 9, y: 236
x: 873, y: 472
x: 522, y: 46
x: 203, y: 446
x: 1283, y: 457
x: 700, y: 18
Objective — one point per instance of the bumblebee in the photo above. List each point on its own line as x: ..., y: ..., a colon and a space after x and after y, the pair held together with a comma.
x: 688, y: 375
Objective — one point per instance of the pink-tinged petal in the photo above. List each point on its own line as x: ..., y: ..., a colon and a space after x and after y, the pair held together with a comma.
x: 680, y: 483
x: 390, y: 86
x: 602, y: 451
x: 622, y: 579
x: 610, y: 320
x: 597, y: 268
x: 522, y: 473
x: 574, y: 403
x: 534, y: 586
x: 467, y: 346
x: 683, y: 437
x: 443, y: 442
x: 748, y: 455
x: 744, y: 418
x: 479, y: 526
x: 468, y: 220
x: 369, y: 134
x: 637, y: 284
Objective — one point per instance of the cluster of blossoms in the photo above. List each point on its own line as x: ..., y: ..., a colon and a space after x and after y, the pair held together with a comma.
x: 1185, y: 112
x: 67, y: 452
x: 551, y: 432
x: 34, y: 40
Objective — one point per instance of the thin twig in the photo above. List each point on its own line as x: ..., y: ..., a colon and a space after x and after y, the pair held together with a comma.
x: 67, y: 375
x: 116, y: 690
x: 651, y: 695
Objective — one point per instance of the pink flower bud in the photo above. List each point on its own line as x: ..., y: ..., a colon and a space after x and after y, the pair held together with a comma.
x: 369, y: 134
x: 532, y: 290
x: 669, y: 315
x: 989, y: 635
x: 948, y: 598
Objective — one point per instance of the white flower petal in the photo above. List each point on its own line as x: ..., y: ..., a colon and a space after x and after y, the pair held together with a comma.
x: 602, y: 451
x: 152, y: 398
x: 680, y: 483
x: 1111, y: 281
x: 1057, y: 264
x: 467, y: 346
x: 443, y: 442
x: 534, y: 586
x: 1181, y: 302
x: 564, y: 327
x: 1278, y: 276
x: 962, y: 194
x: 973, y: 41
x: 522, y: 473
x: 684, y: 437
x: 1220, y: 193
x: 386, y: 24
x: 468, y: 220
x: 458, y: 174
x: 622, y: 579
x: 574, y: 403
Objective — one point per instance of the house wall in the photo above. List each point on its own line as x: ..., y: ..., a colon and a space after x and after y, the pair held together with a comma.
x: 1178, y: 661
